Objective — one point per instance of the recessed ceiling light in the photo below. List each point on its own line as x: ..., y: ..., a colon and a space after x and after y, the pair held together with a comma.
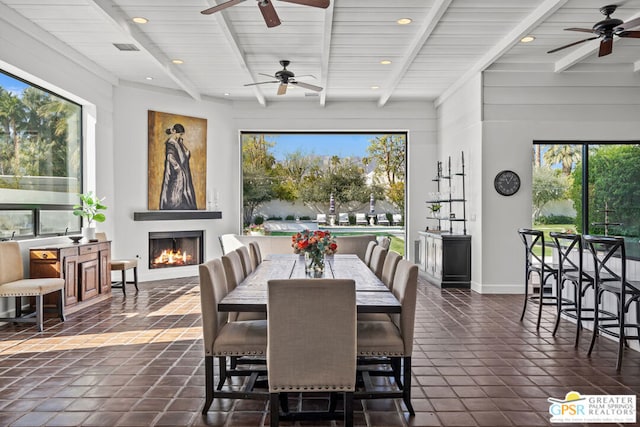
x: 527, y: 39
x: 227, y: 94
x: 149, y: 78
x: 385, y: 62
x: 375, y: 87
x: 140, y: 20
x: 177, y: 61
x: 404, y: 21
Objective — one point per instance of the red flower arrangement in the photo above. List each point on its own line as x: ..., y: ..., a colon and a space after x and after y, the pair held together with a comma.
x: 315, y: 242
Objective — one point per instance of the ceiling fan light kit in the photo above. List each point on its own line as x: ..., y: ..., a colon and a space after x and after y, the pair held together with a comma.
x: 605, y: 30
x: 267, y: 10
x: 285, y: 78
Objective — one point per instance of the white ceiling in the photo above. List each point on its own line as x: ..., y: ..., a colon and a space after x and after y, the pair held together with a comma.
x: 338, y: 48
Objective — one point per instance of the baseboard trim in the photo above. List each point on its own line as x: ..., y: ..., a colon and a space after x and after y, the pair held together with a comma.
x: 508, y: 289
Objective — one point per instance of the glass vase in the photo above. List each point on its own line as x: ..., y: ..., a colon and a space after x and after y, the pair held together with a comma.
x: 314, y: 264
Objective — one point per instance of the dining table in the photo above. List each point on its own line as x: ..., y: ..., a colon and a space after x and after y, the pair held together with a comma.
x: 372, y: 296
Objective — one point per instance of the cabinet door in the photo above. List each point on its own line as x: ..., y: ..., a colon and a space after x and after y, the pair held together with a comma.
x: 429, y: 255
x: 437, y: 258
x: 105, y: 272
x: 89, y: 279
x: 71, y: 280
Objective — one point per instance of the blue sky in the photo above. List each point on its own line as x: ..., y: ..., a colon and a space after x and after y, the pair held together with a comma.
x: 12, y: 85
x: 343, y: 145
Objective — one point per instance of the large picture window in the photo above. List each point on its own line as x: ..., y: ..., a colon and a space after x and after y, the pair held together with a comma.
x: 589, y: 188
x: 40, y: 160
x: 346, y: 182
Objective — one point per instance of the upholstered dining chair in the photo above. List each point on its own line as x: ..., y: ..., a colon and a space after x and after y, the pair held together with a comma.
x: 377, y: 260
x: 14, y: 285
x: 223, y: 339
x: 309, y: 348
x: 535, y: 263
x: 393, y: 338
x: 121, y: 265
x: 384, y: 241
x: 389, y: 268
x: 234, y: 273
x: 256, y: 255
x: 367, y: 255
x: 245, y: 258
x: 610, y: 262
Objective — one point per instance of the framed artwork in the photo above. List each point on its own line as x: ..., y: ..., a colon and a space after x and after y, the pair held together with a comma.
x: 177, y: 162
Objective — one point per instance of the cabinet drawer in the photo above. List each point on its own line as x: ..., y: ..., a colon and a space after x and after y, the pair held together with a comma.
x: 43, y: 254
x: 88, y: 249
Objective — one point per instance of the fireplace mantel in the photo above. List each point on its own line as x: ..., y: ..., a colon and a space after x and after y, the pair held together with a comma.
x: 171, y: 215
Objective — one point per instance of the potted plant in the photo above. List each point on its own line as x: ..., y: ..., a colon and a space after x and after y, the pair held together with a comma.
x: 89, y: 208
x: 435, y: 207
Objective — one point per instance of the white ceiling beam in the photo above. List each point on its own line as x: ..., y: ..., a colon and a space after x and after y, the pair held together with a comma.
x: 238, y: 53
x: 535, y: 18
x: 117, y: 18
x: 431, y: 21
x: 326, y: 52
x: 636, y: 66
x: 13, y: 18
x: 578, y: 55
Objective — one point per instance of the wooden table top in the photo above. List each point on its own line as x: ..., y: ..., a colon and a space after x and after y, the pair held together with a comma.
x: 372, y: 296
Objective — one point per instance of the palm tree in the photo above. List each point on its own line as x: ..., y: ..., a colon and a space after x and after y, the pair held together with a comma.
x: 566, y: 155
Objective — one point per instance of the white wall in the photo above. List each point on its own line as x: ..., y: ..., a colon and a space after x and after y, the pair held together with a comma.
x: 522, y: 107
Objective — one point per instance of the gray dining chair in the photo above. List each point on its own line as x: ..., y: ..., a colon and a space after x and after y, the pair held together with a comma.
x: 377, y: 260
x: 224, y: 339
x: 393, y: 338
x: 256, y: 254
x: 389, y: 268
x: 234, y: 273
x: 245, y: 258
x: 311, y: 349
x: 367, y: 255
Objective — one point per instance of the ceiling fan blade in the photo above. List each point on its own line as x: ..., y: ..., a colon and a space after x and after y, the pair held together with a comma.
x: 261, y: 83
x: 313, y: 3
x: 606, y: 46
x: 269, y: 13
x: 582, y: 30
x: 282, y: 89
x: 628, y: 24
x: 221, y: 7
x: 267, y: 75
x: 307, y: 86
x: 571, y: 44
x: 632, y: 34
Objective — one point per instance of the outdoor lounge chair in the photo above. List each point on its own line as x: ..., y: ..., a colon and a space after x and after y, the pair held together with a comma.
x: 397, y: 219
x: 343, y: 219
x: 361, y: 219
x: 321, y: 219
x: 382, y: 219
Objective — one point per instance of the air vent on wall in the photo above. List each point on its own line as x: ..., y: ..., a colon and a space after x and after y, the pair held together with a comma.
x: 126, y: 47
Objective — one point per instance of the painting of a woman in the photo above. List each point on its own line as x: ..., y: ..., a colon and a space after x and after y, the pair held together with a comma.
x: 177, y: 184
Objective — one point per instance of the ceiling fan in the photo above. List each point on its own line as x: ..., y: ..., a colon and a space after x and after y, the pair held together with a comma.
x: 606, y: 29
x: 286, y: 78
x: 266, y: 8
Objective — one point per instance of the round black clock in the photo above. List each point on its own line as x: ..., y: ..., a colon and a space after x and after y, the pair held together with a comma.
x: 507, y: 183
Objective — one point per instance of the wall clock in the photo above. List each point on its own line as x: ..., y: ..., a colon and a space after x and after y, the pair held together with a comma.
x: 507, y: 183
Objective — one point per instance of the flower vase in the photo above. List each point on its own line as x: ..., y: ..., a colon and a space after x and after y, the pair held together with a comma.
x: 89, y: 233
x: 314, y: 264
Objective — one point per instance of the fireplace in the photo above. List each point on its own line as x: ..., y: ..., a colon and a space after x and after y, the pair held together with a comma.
x: 175, y: 248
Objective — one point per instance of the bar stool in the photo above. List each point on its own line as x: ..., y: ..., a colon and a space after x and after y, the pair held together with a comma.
x: 122, y: 265
x: 533, y: 242
x: 571, y: 271
x: 610, y: 262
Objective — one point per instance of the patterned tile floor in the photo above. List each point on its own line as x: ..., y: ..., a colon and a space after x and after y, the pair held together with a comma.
x: 138, y: 361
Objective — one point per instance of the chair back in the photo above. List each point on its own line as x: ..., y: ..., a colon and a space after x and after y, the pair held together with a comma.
x: 213, y: 288
x: 367, y: 255
x: 11, y: 268
x: 534, y: 242
x: 245, y: 258
x: 354, y: 244
x: 101, y: 236
x: 256, y: 255
x: 569, y: 247
x: 233, y: 270
x: 384, y: 241
x: 405, y: 288
x: 389, y: 268
x: 229, y: 243
x: 310, y: 348
x: 609, y: 259
x: 377, y: 260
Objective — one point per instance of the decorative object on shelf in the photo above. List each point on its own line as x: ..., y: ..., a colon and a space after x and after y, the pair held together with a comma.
x: 315, y: 245
x: 75, y: 239
x: 507, y: 183
x: 435, y: 207
x: 89, y: 208
x: 451, y: 197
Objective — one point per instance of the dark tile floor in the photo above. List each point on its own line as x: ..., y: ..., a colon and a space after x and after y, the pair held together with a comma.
x: 138, y: 361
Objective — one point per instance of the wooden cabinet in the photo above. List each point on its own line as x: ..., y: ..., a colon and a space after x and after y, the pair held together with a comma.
x: 86, y: 268
x: 445, y: 259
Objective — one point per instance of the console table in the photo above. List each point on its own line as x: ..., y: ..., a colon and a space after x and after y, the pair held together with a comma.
x: 86, y: 268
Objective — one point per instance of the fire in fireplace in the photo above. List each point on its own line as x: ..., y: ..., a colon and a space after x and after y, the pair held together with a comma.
x: 175, y: 248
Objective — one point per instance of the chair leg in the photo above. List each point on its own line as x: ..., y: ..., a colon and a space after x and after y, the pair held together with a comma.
x: 348, y: 409
x: 622, y: 340
x: 39, y: 308
x: 208, y: 383
x: 596, y: 318
x: 526, y: 293
x: 406, y: 389
x: 60, y: 306
x: 18, y: 303
x: 222, y: 364
x: 540, y: 302
x: 135, y: 277
x: 275, y: 409
x: 559, y: 305
x: 124, y: 281
x: 578, y: 296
